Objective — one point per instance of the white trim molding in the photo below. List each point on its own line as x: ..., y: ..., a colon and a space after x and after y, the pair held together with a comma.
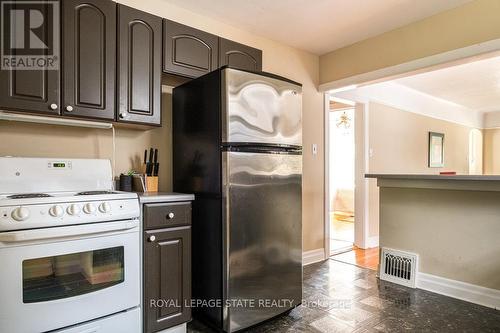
x: 371, y: 242
x: 312, y: 256
x: 326, y: 175
x: 461, y: 290
x: 397, y: 95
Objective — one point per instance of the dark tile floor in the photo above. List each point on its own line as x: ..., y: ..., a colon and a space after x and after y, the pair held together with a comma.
x: 340, y: 297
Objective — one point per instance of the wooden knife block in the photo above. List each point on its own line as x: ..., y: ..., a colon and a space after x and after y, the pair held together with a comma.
x: 151, y: 183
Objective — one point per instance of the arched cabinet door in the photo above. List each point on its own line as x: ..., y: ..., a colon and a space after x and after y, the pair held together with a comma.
x: 188, y: 51
x: 89, y: 46
x: 139, y: 66
x: 239, y: 56
x: 29, y: 90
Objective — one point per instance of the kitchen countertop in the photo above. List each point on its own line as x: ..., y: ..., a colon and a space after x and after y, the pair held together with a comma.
x: 152, y: 197
x: 439, y: 182
x: 434, y: 177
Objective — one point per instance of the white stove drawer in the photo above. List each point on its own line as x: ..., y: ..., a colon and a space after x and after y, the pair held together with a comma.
x: 123, y: 322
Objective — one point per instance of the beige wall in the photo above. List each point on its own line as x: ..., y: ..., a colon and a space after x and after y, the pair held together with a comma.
x: 398, y: 141
x: 455, y: 233
x: 41, y: 140
x: 469, y: 24
x: 36, y: 140
x: 491, y: 161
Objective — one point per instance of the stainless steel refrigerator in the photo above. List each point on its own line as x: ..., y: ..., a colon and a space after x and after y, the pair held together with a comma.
x: 237, y: 145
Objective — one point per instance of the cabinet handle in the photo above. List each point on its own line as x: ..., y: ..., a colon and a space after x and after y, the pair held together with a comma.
x: 69, y: 108
x: 170, y: 216
x: 122, y: 115
x: 53, y: 106
x: 152, y: 238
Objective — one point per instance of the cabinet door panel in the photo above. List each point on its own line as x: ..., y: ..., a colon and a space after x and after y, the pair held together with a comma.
x: 239, y: 56
x: 187, y: 51
x: 167, y: 277
x: 30, y: 90
x: 139, y: 66
x: 89, y: 58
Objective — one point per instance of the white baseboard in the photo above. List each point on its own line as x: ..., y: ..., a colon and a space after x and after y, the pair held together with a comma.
x: 312, y: 256
x: 461, y: 290
x: 371, y: 242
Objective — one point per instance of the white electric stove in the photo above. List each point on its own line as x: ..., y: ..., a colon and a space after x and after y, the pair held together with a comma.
x: 69, y: 248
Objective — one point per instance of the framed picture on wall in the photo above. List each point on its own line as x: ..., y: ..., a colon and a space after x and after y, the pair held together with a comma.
x: 436, y: 150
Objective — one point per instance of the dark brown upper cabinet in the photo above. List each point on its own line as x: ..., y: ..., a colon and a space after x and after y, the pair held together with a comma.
x: 89, y: 46
x: 239, y: 56
x: 139, y: 66
x: 30, y: 90
x: 188, y: 51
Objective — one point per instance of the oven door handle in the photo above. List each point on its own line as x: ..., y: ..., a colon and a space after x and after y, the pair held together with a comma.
x: 66, y: 232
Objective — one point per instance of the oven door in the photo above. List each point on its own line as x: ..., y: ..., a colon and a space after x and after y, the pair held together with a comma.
x: 56, y: 277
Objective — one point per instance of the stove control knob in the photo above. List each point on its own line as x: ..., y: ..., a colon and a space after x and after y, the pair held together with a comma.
x: 56, y: 211
x: 89, y: 208
x: 20, y: 214
x: 105, y: 207
x: 73, y: 209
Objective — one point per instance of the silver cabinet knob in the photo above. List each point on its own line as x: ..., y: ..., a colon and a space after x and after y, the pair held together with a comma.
x: 53, y: 106
x: 152, y: 238
x: 69, y: 108
x: 170, y: 216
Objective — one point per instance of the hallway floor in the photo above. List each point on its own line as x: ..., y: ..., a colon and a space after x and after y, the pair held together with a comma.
x: 340, y: 297
x: 341, y: 232
x: 363, y: 258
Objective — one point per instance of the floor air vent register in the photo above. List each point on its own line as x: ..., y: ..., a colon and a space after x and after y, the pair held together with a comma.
x: 398, y: 267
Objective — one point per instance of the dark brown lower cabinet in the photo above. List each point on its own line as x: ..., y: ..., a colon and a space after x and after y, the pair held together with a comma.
x: 167, y: 277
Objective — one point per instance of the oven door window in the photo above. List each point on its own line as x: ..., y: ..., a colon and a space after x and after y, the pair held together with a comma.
x: 51, y: 278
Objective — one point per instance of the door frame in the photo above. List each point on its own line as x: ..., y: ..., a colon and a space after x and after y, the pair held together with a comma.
x: 358, y: 228
x: 451, y: 58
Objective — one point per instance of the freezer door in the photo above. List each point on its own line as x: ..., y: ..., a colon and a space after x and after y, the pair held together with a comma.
x: 260, y: 109
x: 262, y: 236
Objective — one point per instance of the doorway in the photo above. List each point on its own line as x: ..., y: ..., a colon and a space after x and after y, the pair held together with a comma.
x: 342, y: 173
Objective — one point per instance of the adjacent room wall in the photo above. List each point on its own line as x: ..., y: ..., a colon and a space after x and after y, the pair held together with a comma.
x: 491, y: 146
x: 42, y: 140
x: 469, y: 24
x: 398, y: 142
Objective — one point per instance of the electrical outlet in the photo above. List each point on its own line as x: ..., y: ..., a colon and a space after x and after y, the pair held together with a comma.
x: 315, y: 149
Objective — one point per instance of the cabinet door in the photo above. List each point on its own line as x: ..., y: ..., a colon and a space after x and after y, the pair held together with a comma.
x: 89, y: 44
x: 139, y: 66
x: 239, y: 56
x: 29, y: 90
x: 188, y: 51
x: 167, y: 277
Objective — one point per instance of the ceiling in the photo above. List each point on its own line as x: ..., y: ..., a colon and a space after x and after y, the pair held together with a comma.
x: 474, y: 85
x: 317, y: 26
